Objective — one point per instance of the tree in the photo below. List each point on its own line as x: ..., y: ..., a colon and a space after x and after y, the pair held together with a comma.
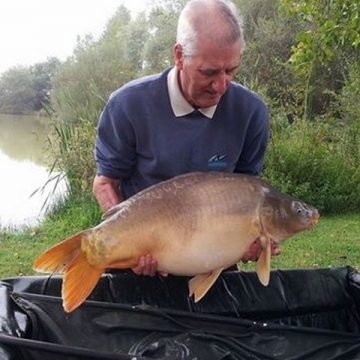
x: 158, y: 52
x: 16, y: 92
x: 98, y: 67
x: 25, y: 89
x: 328, y: 42
x: 42, y: 75
x: 332, y: 25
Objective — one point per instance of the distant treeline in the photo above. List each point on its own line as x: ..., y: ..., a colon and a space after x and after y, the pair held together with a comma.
x: 26, y: 89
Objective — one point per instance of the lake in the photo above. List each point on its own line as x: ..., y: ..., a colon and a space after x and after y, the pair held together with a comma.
x: 24, y: 169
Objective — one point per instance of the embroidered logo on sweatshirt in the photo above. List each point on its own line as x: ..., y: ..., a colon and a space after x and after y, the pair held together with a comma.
x: 217, y: 161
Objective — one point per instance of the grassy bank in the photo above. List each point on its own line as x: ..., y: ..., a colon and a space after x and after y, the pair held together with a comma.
x: 334, y: 242
x: 18, y: 249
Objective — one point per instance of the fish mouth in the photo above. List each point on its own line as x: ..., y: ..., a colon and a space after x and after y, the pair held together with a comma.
x: 314, y: 219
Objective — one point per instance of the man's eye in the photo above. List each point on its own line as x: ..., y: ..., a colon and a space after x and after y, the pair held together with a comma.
x: 208, y: 72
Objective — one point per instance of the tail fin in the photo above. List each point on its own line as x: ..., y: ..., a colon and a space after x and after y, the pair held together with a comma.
x: 59, y: 256
x: 80, y: 277
x: 79, y: 280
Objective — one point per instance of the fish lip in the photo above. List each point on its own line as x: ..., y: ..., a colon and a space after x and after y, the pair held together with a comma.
x: 314, y: 219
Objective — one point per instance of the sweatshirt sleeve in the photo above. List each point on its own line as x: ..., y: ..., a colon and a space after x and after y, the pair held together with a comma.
x: 115, y: 146
x: 257, y: 138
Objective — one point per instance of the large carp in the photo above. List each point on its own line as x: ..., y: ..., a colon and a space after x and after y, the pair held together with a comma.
x: 195, y: 224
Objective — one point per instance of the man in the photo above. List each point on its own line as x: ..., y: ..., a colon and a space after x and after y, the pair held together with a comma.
x: 188, y: 118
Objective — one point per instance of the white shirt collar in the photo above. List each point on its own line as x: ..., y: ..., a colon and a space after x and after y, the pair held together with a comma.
x: 178, y: 103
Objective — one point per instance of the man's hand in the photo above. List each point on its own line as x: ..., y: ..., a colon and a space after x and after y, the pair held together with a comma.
x: 147, y: 266
x: 255, y: 251
x: 106, y: 192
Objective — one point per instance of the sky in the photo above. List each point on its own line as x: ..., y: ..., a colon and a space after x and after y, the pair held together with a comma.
x: 33, y: 30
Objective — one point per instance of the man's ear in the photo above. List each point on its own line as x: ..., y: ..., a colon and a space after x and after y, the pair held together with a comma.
x: 178, y: 56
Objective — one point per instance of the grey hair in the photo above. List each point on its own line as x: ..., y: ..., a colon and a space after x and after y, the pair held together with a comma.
x: 217, y: 19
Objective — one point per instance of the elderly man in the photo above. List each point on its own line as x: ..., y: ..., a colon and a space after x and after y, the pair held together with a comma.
x: 191, y: 117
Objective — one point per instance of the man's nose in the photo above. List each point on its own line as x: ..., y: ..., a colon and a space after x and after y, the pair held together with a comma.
x: 221, y: 83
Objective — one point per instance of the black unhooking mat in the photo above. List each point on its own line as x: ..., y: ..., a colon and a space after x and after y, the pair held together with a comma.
x: 301, y: 315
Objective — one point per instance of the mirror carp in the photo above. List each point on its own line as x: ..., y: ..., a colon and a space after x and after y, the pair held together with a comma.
x: 196, y: 224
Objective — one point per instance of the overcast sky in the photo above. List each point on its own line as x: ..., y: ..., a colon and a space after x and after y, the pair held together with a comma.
x: 33, y: 30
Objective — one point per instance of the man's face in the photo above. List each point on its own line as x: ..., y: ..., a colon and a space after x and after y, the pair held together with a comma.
x: 205, y: 76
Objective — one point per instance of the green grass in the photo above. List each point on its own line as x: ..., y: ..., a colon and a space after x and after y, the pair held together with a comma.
x: 19, y: 249
x: 334, y: 242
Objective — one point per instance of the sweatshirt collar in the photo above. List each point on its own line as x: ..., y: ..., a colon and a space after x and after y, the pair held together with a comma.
x: 178, y: 103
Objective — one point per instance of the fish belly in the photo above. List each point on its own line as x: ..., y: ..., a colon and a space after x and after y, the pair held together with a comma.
x: 212, y: 246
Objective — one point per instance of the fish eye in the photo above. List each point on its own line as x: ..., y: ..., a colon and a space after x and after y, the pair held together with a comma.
x: 297, y: 207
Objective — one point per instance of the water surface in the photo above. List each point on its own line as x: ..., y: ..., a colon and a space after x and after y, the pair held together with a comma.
x: 24, y: 169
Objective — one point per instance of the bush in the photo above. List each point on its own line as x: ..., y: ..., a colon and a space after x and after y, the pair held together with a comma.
x: 72, y: 146
x: 310, y: 161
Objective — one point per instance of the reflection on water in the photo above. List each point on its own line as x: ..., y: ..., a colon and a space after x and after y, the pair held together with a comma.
x: 24, y: 137
x: 24, y: 169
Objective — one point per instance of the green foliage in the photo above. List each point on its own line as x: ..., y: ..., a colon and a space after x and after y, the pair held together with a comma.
x: 25, y: 89
x: 327, y: 35
x: 16, y: 94
x: 269, y: 37
x: 349, y: 106
x: 350, y: 95
x: 332, y: 25
x: 98, y: 67
x: 42, y: 75
x: 158, y: 52
x: 311, y: 162
x: 72, y: 147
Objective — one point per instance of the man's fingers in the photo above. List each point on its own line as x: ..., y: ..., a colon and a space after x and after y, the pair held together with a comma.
x: 255, y: 251
x: 147, y: 266
x: 138, y: 270
x: 275, y: 249
x: 150, y: 266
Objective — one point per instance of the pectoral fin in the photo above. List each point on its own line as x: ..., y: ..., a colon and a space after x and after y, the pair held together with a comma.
x: 263, y: 263
x: 200, y: 284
